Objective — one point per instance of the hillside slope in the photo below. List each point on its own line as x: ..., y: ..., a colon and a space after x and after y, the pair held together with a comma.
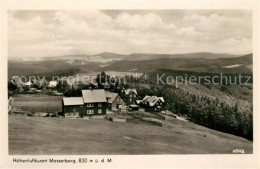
x: 50, y: 136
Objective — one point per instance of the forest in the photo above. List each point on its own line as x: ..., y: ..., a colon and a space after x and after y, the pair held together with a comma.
x: 200, y: 109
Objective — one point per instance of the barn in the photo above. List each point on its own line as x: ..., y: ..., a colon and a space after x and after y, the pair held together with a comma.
x: 114, y: 101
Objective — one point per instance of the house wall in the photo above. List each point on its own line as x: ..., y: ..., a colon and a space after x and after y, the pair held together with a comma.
x: 131, y: 98
x: 135, y: 108
x: 154, y: 108
x: 73, y: 109
x: 82, y: 109
x: 118, y: 100
x: 72, y: 115
x: 109, y: 106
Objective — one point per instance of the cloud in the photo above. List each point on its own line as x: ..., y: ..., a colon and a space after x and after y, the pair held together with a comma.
x: 142, y: 22
x: 188, y: 31
x: 49, y: 33
x: 221, y: 26
x: 240, y: 45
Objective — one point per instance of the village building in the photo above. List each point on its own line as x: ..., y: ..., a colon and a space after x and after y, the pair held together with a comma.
x: 42, y: 83
x: 32, y: 90
x: 18, y: 82
x: 20, y: 86
x: 38, y: 91
x: 29, y: 84
x: 138, y: 102
x: 73, y: 85
x: 134, y: 107
x: 114, y: 101
x: 52, y: 84
x: 105, y: 86
x: 72, y: 106
x: 152, y: 103
x: 92, y: 102
x: 94, y: 85
x: 130, y: 95
x: 56, y: 93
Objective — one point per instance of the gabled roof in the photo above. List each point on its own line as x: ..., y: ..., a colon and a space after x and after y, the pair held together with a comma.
x: 138, y: 101
x: 110, y: 96
x: 127, y: 91
x: 152, y: 100
x: 94, y: 96
x: 145, y: 98
x: 70, y: 101
x: 28, y: 83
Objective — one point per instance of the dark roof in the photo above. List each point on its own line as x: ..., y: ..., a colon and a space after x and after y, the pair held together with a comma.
x: 127, y: 91
x: 94, y: 96
x: 70, y: 101
x: 152, y: 100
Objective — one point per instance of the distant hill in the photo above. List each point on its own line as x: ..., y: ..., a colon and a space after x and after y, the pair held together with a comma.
x: 108, y: 56
x: 202, y: 55
x: 201, y: 62
x: 225, y: 65
x: 25, y: 68
x: 111, y: 55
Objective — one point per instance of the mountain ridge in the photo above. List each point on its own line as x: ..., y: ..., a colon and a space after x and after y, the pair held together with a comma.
x: 131, y: 56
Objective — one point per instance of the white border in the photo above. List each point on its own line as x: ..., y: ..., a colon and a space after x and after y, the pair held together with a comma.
x: 133, y: 161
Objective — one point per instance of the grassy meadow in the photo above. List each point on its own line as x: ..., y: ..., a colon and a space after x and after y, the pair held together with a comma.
x: 61, y: 136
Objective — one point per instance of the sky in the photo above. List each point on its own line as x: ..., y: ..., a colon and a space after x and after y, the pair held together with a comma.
x: 46, y: 33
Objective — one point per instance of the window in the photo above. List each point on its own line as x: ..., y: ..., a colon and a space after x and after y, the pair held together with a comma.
x: 130, y: 100
x: 130, y: 96
x: 90, y: 105
x: 99, y: 104
x: 74, y: 110
x: 90, y: 111
x: 134, y: 95
x: 99, y: 111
